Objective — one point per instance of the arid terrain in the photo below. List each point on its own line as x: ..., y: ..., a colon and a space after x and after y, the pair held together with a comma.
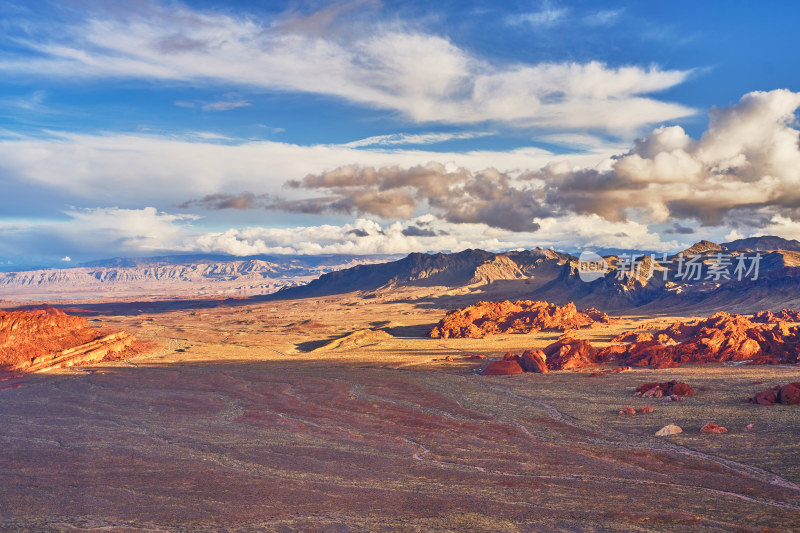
x: 339, y: 413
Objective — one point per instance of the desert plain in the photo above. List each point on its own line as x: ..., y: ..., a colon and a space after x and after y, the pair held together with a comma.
x: 339, y: 413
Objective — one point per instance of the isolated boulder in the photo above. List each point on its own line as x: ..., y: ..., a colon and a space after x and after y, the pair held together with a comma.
x: 667, y: 388
x: 569, y: 353
x: 533, y: 361
x: 670, y: 429
x: 785, y: 394
x: 504, y: 367
x: 713, y: 428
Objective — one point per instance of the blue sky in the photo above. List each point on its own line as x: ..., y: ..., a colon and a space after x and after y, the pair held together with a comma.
x: 140, y: 128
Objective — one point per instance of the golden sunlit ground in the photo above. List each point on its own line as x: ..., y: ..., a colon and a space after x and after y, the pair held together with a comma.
x: 338, y: 414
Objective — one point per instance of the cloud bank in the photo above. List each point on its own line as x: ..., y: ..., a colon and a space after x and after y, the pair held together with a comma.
x: 383, y: 64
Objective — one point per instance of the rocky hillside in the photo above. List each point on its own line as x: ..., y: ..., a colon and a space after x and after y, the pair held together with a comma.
x: 742, y: 276
x: 41, y: 339
x: 173, y: 276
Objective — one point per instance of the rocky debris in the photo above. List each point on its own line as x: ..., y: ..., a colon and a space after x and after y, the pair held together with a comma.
x: 671, y: 398
x: 627, y: 410
x: 668, y: 388
x: 523, y: 316
x: 644, y: 410
x: 670, y: 429
x: 720, y: 338
x: 44, y: 338
x: 784, y: 394
x: 533, y: 361
x: 476, y: 356
x: 569, y: 353
x: 504, y: 367
x: 768, y: 317
x: 713, y: 428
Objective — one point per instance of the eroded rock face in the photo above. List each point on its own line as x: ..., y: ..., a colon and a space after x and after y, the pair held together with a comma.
x: 523, y: 316
x: 720, y: 338
x: 768, y: 317
x: 533, y: 361
x: 569, y: 353
x: 40, y: 339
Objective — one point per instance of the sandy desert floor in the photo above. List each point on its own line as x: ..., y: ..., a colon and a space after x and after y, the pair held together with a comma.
x: 337, y: 414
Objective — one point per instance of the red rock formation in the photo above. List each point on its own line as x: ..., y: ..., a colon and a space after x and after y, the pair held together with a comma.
x: 44, y: 338
x: 503, y: 367
x: 569, y: 353
x: 668, y: 388
x: 627, y: 410
x: 713, y: 428
x: 789, y: 394
x: 645, y: 409
x: 785, y: 394
x: 524, y: 316
x: 533, y: 361
x: 719, y: 338
x: 768, y: 317
x: 766, y: 397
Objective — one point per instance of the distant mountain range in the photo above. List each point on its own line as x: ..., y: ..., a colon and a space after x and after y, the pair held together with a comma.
x: 179, y: 275
x: 672, y: 283
x: 747, y: 274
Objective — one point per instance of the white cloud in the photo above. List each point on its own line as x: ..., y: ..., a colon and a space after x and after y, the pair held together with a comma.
x: 414, y: 138
x: 66, y: 259
x: 224, y: 105
x: 425, y: 77
x: 547, y: 16
x: 137, y: 170
x: 101, y: 232
x: 747, y: 160
x: 782, y: 227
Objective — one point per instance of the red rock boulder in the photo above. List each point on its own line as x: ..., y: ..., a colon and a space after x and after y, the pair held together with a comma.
x: 504, y: 367
x: 533, y: 361
x: 569, y: 353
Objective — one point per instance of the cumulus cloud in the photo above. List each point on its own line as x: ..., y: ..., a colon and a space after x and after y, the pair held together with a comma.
x: 748, y: 159
x: 137, y: 170
x: 456, y: 194
x: 388, y: 65
x: 99, y: 233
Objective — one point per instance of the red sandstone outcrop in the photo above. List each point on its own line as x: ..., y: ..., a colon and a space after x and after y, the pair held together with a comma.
x: 523, y: 316
x: 784, y: 394
x: 713, y: 428
x: 533, y: 361
x: 668, y: 388
x: 569, y: 353
x: 719, y: 338
x: 768, y: 317
x: 504, y: 367
x: 40, y: 339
